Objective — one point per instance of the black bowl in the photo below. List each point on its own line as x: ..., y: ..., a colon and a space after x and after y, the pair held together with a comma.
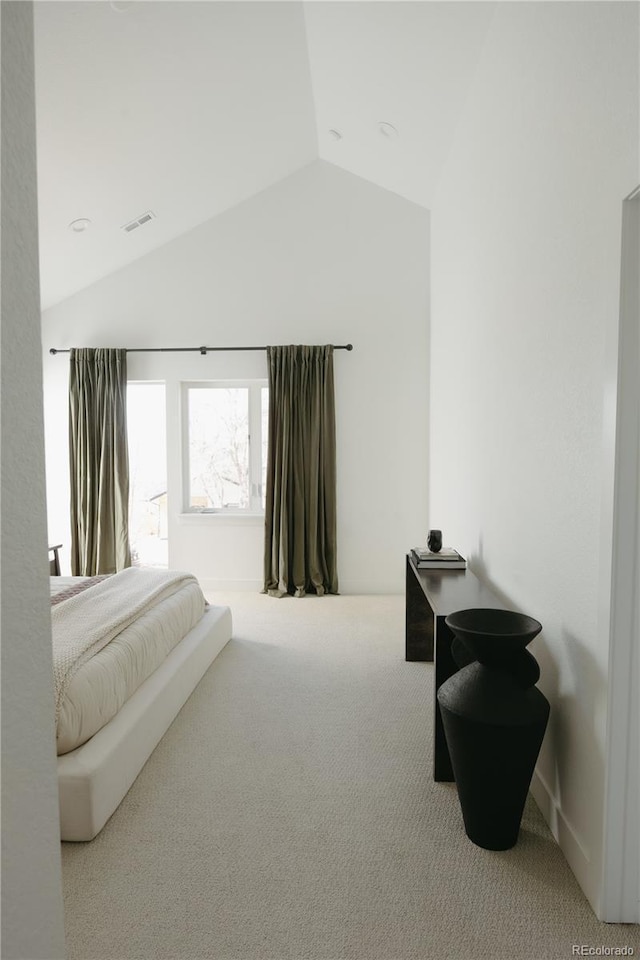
x: 493, y: 635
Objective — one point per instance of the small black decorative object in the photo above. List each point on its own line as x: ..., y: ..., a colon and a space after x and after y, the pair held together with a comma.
x: 494, y: 720
x: 434, y: 541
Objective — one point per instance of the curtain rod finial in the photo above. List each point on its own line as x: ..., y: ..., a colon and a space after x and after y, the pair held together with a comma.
x: 53, y: 351
x: 349, y: 346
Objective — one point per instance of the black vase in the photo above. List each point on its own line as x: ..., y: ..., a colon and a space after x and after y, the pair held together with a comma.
x: 494, y: 720
x: 434, y: 541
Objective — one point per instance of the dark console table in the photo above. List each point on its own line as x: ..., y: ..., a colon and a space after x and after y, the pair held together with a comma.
x: 431, y: 595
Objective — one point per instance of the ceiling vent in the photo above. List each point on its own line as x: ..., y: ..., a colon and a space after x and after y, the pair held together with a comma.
x: 140, y: 222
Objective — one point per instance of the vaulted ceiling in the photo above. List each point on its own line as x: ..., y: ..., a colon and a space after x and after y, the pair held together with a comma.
x: 185, y: 109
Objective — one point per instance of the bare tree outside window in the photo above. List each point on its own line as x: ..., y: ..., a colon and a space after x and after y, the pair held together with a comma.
x: 226, y: 447
x: 219, y: 447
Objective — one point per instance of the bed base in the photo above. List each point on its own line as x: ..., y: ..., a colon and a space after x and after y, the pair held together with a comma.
x: 94, y: 778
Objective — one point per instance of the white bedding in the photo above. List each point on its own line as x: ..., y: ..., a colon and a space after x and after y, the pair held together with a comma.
x: 104, y: 683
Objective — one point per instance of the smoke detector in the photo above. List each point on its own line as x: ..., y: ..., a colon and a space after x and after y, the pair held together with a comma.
x: 139, y: 221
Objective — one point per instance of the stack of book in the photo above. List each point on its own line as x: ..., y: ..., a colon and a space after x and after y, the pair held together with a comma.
x: 445, y: 559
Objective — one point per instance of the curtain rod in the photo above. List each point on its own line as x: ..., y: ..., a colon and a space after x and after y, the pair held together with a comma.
x: 202, y: 350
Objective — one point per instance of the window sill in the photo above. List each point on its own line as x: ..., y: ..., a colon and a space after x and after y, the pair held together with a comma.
x: 223, y: 519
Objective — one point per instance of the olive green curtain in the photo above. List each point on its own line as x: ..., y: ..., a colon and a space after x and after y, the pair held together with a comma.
x: 99, y: 461
x: 300, y: 511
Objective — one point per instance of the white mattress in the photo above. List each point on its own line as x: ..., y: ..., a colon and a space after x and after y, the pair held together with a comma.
x: 105, y: 682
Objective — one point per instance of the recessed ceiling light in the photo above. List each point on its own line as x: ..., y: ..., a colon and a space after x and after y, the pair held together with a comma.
x: 387, y: 130
x: 80, y: 225
x: 335, y: 134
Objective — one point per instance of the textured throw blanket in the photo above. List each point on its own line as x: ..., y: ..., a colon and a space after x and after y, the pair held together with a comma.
x: 82, y: 584
x: 88, y: 621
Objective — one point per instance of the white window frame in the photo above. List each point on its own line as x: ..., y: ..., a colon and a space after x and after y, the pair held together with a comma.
x: 255, y: 388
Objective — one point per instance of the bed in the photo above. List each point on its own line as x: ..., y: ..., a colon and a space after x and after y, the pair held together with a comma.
x: 128, y: 652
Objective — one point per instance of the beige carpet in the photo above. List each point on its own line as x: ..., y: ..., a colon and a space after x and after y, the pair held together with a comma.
x: 290, y: 814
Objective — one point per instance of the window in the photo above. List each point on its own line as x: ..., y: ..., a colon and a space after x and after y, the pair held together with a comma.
x: 225, y: 446
x: 147, y: 433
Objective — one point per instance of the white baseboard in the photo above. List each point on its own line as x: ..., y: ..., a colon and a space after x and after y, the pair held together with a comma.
x: 575, y: 851
x: 367, y: 587
x: 229, y: 586
x: 353, y: 587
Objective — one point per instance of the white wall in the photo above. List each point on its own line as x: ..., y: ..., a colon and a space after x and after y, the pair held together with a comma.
x: 622, y: 514
x: 321, y: 257
x: 31, y: 880
x: 526, y: 260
